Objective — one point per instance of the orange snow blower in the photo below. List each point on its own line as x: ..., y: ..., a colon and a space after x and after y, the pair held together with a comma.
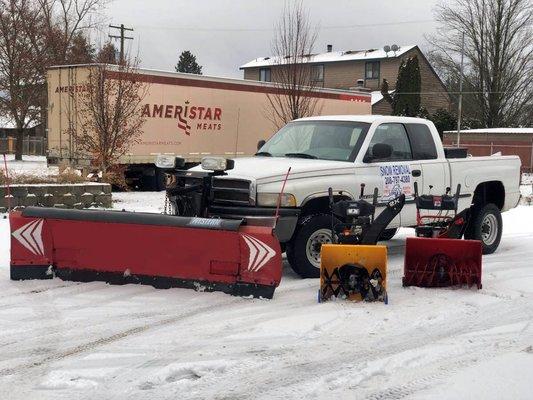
x: 438, y: 257
x: 354, y: 267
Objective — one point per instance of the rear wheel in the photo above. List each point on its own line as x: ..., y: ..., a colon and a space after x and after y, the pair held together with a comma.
x: 304, y: 256
x: 486, y: 226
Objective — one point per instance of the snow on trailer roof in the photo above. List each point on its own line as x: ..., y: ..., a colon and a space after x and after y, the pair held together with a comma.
x: 333, y: 56
x: 208, y: 78
x: 496, y: 130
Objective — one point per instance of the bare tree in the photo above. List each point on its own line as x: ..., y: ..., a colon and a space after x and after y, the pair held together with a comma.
x: 63, y: 22
x: 21, y: 82
x: 293, y: 76
x: 35, y: 34
x: 108, y: 120
x: 498, y: 56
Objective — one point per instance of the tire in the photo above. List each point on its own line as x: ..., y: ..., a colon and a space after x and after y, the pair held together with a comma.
x: 388, y: 234
x: 289, y: 252
x: 486, y: 225
x: 312, y: 232
x: 160, y: 179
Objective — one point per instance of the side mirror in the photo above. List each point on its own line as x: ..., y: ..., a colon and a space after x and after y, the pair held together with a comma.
x: 381, y: 151
x: 260, y: 144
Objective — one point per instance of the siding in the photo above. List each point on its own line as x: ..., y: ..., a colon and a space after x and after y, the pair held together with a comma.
x: 344, y: 75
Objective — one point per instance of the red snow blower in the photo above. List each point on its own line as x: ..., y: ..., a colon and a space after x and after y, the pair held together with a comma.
x: 437, y: 257
x: 234, y: 256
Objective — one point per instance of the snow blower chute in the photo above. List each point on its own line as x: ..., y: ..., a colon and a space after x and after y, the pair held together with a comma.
x: 438, y: 257
x: 354, y: 267
x: 234, y: 256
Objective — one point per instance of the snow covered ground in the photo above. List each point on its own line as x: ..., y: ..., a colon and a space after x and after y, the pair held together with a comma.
x: 30, y: 165
x: 68, y: 340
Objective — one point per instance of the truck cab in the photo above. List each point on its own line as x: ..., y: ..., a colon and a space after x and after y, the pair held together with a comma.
x: 342, y: 152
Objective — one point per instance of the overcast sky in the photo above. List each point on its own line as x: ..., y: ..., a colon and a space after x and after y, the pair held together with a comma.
x: 225, y: 34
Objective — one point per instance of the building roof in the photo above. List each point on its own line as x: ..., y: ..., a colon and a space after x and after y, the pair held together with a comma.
x: 333, y: 56
x: 495, y: 130
x: 377, y: 96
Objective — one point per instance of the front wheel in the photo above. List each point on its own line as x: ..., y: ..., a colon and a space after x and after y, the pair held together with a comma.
x: 486, y: 225
x: 312, y: 233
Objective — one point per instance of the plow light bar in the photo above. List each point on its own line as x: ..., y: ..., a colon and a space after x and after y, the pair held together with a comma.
x: 165, y: 161
x: 217, y: 164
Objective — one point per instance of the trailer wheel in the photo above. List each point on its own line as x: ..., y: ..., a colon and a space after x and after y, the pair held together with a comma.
x: 312, y: 233
x: 388, y: 234
x: 160, y: 179
x: 486, y: 225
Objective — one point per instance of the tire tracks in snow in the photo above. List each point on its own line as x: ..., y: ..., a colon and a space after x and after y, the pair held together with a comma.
x: 59, y: 355
x: 474, y: 355
x: 309, y: 366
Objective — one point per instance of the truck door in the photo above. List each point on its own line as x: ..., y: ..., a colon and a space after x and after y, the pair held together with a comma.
x: 390, y: 153
x: 435, y: 172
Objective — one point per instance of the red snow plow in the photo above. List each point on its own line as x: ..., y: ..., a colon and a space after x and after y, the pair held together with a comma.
x: 438, y: 257
x: 233, y: 256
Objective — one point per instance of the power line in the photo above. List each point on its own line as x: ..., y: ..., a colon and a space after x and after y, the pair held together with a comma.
x: 122, y: 37
x: 357, y: 26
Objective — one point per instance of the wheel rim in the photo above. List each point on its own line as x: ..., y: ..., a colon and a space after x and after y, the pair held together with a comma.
x: 489, y: 229
x: 314, y: 244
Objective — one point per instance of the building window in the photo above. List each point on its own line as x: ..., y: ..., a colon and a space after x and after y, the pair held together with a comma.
x: 317, y: 73
x: 372, y: 70
x: 264, y: 75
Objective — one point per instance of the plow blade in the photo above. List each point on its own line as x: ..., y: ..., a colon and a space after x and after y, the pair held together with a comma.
x: 353, y: 272
x: 442, y: 262
x: 159, y: 250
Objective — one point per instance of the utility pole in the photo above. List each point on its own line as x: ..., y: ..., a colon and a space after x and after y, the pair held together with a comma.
x: 122, y: 37
x: 460, y: 105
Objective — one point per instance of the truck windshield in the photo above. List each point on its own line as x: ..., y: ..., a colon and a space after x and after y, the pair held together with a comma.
x: 325, y: 140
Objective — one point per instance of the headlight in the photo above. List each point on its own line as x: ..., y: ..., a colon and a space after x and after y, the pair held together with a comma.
x: 271, y: 200
x: 165, y: 161
x: 217, y: 163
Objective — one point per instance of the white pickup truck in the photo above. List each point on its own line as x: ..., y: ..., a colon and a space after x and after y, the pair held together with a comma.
x: 342, y: 152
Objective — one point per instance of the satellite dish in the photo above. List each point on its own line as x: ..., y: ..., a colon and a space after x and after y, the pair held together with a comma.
x: 395, y: 48
x: 386, y: 48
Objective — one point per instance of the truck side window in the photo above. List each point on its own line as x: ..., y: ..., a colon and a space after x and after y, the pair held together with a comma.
x: 422, y: 142
x: 395, y: 136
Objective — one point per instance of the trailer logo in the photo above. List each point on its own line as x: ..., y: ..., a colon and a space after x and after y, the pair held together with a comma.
x: 260, y: 253
x: 202, y: 118
x: 30, y: 236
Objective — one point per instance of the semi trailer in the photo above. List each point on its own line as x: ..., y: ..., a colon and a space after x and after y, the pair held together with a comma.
x: 186, y: 115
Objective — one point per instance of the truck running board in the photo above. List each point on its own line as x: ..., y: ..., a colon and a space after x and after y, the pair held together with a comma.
x: 163, y: 251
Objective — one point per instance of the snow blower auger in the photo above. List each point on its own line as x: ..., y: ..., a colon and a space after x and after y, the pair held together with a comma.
x: 234, y: 256
x: 437, y: 257
x: 354, y: 267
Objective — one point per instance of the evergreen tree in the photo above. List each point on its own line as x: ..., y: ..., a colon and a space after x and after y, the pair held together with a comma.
x: 80, y: 51
x: 107, y: 54
x: 406, y: 99
x: 187, y: 63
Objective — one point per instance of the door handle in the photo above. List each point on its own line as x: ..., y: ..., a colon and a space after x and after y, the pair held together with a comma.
x: 416, y: 173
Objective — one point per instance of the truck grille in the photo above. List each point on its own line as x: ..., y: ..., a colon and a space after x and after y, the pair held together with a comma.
x: 231, y: 191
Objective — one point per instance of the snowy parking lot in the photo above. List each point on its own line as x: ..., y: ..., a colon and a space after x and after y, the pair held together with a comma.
x: 69, y: 340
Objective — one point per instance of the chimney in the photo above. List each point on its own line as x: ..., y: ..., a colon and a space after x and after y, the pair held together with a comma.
x: 330, y: 48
